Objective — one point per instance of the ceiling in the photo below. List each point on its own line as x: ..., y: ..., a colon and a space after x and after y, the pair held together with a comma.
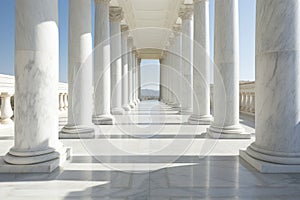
x: 150, y: 22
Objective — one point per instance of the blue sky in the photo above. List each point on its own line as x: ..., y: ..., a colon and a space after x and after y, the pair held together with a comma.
x: 247, y: 39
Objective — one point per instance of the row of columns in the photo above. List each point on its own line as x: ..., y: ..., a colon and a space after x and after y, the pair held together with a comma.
x: 277, y: 101
x: 195, y: 64
x: 36, y: 147
x: 115, y: 76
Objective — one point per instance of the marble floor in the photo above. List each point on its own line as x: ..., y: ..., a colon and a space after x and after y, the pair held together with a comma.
x: 150, y: 154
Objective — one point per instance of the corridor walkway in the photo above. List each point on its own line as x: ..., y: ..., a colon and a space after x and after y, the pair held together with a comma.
x: 151, y: 154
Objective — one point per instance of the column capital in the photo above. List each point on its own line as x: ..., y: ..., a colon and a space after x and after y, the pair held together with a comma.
x: 115, y: 14
x: 102, y: 1
x: 186, y: 11
x: 124, y: 27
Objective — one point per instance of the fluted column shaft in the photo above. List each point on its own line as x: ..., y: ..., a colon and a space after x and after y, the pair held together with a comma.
x: 201, y: 70
x: 102, y: 84
x: 36, y: 85
x: 276, y: 148
x: 226, y: 72
x: 79, y: 71
x: 116, y: 15
x: 134, y: 77
x: 125, y: 84
x: 186, y: 15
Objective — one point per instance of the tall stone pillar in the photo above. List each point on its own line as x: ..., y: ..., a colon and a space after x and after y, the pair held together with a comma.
x: 201, y: 70
x: 276, y: 148
x: 171, y: 53
x: 115, y: 16
x: 130, y: 68
x: 134, y: 77
x: 186, y: 14
x: 162, y: 81
x: 36, y: 145
x: 102, y: 80
x: 226, y: 72
x: 125, y: 89
x: 79, y: 72
x: 177, y: 65
x: 138, y: 79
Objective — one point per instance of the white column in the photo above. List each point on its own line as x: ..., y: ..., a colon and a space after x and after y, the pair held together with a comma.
x: 137, y: 72
x: 162, y: 81
x: 171, y: 73
x: 177, y: 65
x: 134, y: 78
x: 186, y: 14
x: 276, y: 148
x: 139, y: 80
x: 36, y: 145
x: 125, y: 84
x: 130, y: 68
x: 115, y: 16
x: 226, y: 72
x: 79, y: 71
x: 102, y: 83
x: 201, y: 70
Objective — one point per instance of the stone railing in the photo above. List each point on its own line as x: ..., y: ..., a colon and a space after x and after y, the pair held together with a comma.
x: 7, y: 90
x: 247, y: 97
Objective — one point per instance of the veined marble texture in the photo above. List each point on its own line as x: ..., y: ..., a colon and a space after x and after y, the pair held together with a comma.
x: 116, y: 174
x: 102, y: 84
x: 277, y: 86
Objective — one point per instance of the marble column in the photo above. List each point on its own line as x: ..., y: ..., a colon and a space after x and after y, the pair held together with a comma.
x: 173, y: 103
x: 137, y: 71
x: 36, y: 145
x: 115, y: 16
x: 276, y: 148
x: 102, y: 90
x: 125, y: 89
x: 177, y: 65
x: 201, y: 70
x: 130, y: 68
x: 139, y: 80
x: 79, y: 72
x: 186, y: 14
x: 162, y: 81
x: 134, y: 77
x: 226, y: 72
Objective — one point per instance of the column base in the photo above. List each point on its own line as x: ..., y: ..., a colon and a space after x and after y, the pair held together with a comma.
x: 77, y: 132
x: 135, y: 102
x: 186, y: 111
x: 269, y: 167
x: 138, y: 100
x: 33, y: 162
x: 132, y: 105
x: 228, y: 132
x: 200, y: 119
x: 126, y: 107
x: 103, y: 120
x: 117, y: 111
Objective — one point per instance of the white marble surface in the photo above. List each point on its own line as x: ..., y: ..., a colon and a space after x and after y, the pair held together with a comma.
x: 102, y: 85
x: 36, y: 83
x: 116, y: 15
x: 186, y: 14
x: 125, y: 83
x: 226, y: 72
x: 277, y: 84
x: 117, y: 174
x: 79, y: 71
x: 201, y: 68
x: 130, y: 74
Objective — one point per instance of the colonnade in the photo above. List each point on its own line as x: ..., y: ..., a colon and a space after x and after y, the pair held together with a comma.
x: 36, y: 145
x: 276, y: 148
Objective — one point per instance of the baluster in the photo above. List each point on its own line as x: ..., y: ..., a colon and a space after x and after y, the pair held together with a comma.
x: 6, y: 109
